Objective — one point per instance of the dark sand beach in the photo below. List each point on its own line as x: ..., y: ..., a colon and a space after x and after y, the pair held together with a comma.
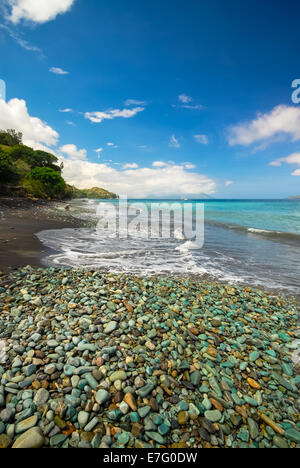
x: 20, y: 220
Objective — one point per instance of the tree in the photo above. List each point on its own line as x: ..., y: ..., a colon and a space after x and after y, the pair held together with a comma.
x: 10, y: 137
x: 45, y: 159
x: 48, y: 181
x: 8, y: 171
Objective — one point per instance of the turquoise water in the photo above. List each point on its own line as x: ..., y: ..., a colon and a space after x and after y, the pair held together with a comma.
x: 245, y: 241
x: 279, y: 216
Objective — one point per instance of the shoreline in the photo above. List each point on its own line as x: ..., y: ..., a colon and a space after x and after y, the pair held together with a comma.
x: 20, y: 220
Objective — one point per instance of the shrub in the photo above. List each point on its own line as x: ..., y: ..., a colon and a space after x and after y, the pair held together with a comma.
x: 10, y: 137
x: 9, y: 173
x: 48, y: 181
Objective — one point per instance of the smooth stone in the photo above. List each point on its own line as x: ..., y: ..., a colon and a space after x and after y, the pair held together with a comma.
x: 41, y: 397
x: 33, y: 438
x: 293, y: 435
x: 118, y: 375
x: 83, y: 418
x: 110, y: 327
x: 102, y: 396
x: 213, y: 415
x: 26, y: 424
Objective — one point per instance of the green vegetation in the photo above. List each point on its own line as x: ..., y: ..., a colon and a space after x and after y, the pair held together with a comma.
x: 93, y: 193
x: 26, y: 172
x: 10, y: 137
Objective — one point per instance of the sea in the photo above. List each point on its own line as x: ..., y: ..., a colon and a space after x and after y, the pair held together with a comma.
x: 252, y: 242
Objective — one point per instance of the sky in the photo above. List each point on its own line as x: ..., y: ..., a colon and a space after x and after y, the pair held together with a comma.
x: 158, y: 99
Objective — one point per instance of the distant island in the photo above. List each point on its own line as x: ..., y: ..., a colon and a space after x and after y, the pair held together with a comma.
x: 295, y: 197
x: 25, y: 172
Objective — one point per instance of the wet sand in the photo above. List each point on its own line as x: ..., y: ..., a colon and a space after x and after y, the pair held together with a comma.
x: 20, y: 220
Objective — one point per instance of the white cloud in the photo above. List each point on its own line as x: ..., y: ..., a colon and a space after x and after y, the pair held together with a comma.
x: 134, y: 102
x: 174, y: 143
x: 186, y: 103
x: 202, y: 139
x: 228, y: 183
x: 58, y: 71
x: 159, y: 164
x: 189, y: 165
x: 193, y: 107
x: 291, y: 159
x: 130, y: 166
x: 282, y: 120
x: 141, y: 182
x: 98, y: 117
x: 66, y: 110
x: 36, y: 133
x: 99, y: 150
x: 37, y: 11
x: 184, y: 98
x: 73, y: 153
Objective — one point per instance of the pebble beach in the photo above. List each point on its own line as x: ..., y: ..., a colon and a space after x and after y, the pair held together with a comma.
x: 100, y: 360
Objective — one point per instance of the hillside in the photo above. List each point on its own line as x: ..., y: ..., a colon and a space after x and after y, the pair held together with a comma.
x: 93, y: 193
x: 25, y: 172
x: 295, y: 197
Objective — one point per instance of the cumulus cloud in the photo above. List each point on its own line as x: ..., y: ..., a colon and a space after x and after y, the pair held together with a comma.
x: 58, y: 71
x: 202, y: 139
x: 159, y: 164
x: 291, y: 159
x: 37, y: 11
x: 281, y: 121
x: 189, y: 165
x: 228, y: 183
x: 130, y: 166
x: 98, y: 117
x: 36, y: 133
x: 73, y: 152
x: 174, y: 143
x: 140, y: 182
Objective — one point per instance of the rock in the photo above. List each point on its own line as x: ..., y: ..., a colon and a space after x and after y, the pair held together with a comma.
x: 213, y: 415
x: 41, y: 397
x: 83, y: 418
x: 118, y: 375
x: 110, y: 327
x: 5, y: 441
x: 293, y: 435
x: 183, y: 418
x: 33, y: 438
x: 129, y: 399
x: 280, y: 442
x: 26, y: 424
x: 102, y: 396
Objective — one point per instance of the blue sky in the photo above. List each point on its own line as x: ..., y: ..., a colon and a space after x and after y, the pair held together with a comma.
x: 179, y: 98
